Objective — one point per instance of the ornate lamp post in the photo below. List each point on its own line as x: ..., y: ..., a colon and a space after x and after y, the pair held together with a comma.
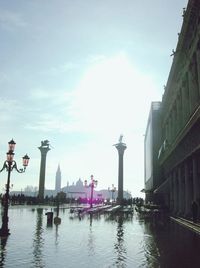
x: 9, y: 165
x: 112, y: 190
x: 92, y: 185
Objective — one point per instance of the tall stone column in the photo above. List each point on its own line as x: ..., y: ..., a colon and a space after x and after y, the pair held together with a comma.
x: 44, y: 148
x: 175, y: 208
x: 171, y: 193
x: 187, y: 191
x: 181, y: 193
x: 196, y: 185
x: 121, y: 147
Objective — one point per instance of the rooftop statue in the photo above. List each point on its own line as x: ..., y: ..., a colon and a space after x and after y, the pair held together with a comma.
x: 120, y: 138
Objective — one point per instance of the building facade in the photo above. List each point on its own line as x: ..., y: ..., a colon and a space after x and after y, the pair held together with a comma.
x: 151, y: 147
x: 179, y: 152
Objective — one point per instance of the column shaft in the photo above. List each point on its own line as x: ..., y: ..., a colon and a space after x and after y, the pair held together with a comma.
x: 181, y: 193
x: 187, y: 191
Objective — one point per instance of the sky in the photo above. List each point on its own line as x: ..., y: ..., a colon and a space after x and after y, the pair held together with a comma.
x: 80, y: 73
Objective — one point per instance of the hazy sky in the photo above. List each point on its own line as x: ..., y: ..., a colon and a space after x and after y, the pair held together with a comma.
x: 79, y: 73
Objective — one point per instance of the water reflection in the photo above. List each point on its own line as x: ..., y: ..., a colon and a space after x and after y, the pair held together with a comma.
x: 56, y: 235
x: 119, y: 246
x: 186, y: 246
x: 118, y: 241
x: 38, y: 241
x: 3, y: 251
x: 91, y: 245
x: 149, y: 245
x: 91, y: 218
x: 167, y: 244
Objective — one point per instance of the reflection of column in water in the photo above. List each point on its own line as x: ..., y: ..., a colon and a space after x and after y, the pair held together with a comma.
x: 57, y: 235
x: 3, y: 251
x: 91, y: 247
x: 38, y: 240
x: 91, y: 217
x: 119, y: 246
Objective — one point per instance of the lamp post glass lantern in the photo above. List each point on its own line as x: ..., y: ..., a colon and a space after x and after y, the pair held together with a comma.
x: 9, y: 165
x: 91, y: 185
x: 112, y: 190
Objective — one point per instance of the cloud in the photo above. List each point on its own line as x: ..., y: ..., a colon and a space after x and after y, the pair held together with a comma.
x: 58, y: 70
x: 113, y: 96
x: 96, y: 58
x: 6, y: 106
x: 49, y: 110
x: 3, y: 77
x: 10, y: 20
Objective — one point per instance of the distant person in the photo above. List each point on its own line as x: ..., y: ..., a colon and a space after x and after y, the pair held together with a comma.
x: 194, y: 211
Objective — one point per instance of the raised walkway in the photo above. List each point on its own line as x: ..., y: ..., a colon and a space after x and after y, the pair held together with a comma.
x: 195, y: 227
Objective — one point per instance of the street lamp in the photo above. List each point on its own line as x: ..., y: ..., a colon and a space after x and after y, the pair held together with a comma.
x: 112, y: 190
x: 92, y: 185
x: 9, y: 165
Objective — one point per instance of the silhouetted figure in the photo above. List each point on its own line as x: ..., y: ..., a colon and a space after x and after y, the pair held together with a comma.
x: 194, y: 211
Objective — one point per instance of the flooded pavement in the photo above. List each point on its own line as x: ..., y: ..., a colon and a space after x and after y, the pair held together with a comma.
x: 96, y: 241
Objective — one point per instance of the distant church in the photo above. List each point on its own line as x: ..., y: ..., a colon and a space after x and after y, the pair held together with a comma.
x: 74, y: 190
x: 78, y: 189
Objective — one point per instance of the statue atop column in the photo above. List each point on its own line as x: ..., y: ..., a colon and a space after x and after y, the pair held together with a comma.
x: 120, y: 138
x: 45, y: 144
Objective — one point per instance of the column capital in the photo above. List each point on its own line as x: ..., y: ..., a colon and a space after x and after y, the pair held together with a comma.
x: 121, y: 147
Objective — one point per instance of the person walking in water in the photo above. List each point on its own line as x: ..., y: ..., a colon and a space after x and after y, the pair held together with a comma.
x: 194, y: 211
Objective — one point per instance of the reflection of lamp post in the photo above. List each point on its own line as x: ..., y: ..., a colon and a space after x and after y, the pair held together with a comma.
x: 112, y: 190
x: 9, y: 165
x: 92, y: 185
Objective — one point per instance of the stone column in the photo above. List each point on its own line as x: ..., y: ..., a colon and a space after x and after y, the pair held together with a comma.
x: 171, y: 193
x: 121, y: 147
x: 187, y: 191
x: 175, y: 193
x: 44, y: 148
x: 196, y: 189
x: 181, y: 193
